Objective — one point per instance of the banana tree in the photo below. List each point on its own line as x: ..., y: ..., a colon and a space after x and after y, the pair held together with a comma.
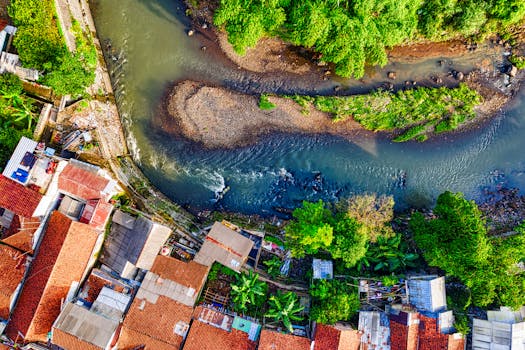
x: 388, y: 255
x: 245, y: 290
x: 285, y: 308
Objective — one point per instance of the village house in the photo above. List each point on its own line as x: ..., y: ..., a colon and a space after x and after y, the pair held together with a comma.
x: 66, y: 252
x: 13, y: 266
x: 336, y: 337
x: 133, y: 244
x: 225, y: 246
x: 271, y: 340
x: 504, y: 329
x: 422, y: 322
x: 161, y: 312
x: 92, y: 319
x: 212, y: 329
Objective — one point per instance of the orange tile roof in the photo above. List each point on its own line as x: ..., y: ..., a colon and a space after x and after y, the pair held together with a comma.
x: 332, y: 338
x: 271, y: 340
x: 21, y: 233
x: 81, y: 183
x: 17, y: 198
x: 62, y: 258
x: 153, y: 323
x: 456, y: 343
x: 206, y: 337
x: 12, y: 265
x: 190, y: 274
x: 70, y: 342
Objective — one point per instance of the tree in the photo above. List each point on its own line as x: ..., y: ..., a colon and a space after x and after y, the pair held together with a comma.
x: 246, y: 289
x: 349, y: 244
x: 373, y: 213
x: 70, y: 77
x: 285, y: 308
x: 10, y: 85
x: 388, y: 255
x: 310, y: 230
x: 333, y: 301
x: 457, y: 242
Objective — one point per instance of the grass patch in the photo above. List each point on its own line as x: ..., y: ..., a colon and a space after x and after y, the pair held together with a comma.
x: 416, y: 110
x: 264, y: 103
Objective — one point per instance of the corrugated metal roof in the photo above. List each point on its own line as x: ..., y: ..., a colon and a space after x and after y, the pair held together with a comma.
x: 427, y: 293
x: 24, y: 145
x: 85, y: 325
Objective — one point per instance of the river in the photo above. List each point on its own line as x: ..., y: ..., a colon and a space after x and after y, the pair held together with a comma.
x: 150, y: 50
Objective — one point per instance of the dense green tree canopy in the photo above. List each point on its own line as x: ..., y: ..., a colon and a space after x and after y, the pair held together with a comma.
x: 355, y: 33
x: 333, y: 301
x: 40, y: 46
x: 311, y: 230
x: 457, y: 242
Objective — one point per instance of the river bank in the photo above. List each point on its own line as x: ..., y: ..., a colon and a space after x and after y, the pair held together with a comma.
x: 228, y: 117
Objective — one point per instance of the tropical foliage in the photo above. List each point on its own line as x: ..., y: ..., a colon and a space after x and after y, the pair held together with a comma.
x: 40, y: 46
x: 333, y: 301
x: 274, y: 266
x: 388, y: 255
x: 344, y: 233
x: 285, y: 308
x: 247, y: 290
x: 418, y: 111
x: 17, y: 115
x: 353, y: 34
x: 457, y: 242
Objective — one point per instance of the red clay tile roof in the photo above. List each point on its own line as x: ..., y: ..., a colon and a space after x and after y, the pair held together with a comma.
x: 153, y: 324
x: 21, y: 233
x: 423, y: 336
x: 190, y: 274
x: 331, y: 338
x: 278, y: 341
x: 62, y: 258
x: 430, y: 338
x: 70, y: 342
x: 206, y: 337
x: 81, y: 183
x: 403, y: 337
x: 17, y: 198
x: 12, y: 267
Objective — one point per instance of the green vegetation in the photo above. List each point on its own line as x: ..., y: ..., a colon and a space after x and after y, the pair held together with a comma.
x: 264, y: 103
x: 345, y: 232
x: 274, y: 266
x: 353, y: 34
x: 333, y: 301
x: 40, y: 46
x: 17, y: 115
x: 247, y: 290
x: 284, y: 308
x: 388, y: 255
x: 417, y: 109
x: 456, y: 241
x: 518, y: 61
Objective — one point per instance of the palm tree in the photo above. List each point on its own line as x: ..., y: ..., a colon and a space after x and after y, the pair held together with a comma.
x: 285, y: 308
x: 245, y: 289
